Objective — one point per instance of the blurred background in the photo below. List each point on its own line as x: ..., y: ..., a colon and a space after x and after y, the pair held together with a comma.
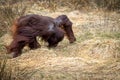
x: 94, y: 56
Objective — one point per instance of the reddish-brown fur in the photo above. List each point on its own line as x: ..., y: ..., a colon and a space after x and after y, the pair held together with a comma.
x: 27, y: 28
x: 14, y: 28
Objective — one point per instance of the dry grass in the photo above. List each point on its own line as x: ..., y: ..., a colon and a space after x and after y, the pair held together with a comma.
x: 94, y: 56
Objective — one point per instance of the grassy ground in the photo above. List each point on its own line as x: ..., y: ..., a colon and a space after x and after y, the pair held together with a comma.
x: 94, y: 56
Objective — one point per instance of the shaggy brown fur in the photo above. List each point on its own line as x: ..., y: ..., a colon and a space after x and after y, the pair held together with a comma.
x: 27, y: 28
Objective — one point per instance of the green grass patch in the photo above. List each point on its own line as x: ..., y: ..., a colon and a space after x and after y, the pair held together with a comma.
x: 112, y: 35
x: 85, y: 36
x: 4, y: 73
x: 2, y: 48
x: 7, y: 72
